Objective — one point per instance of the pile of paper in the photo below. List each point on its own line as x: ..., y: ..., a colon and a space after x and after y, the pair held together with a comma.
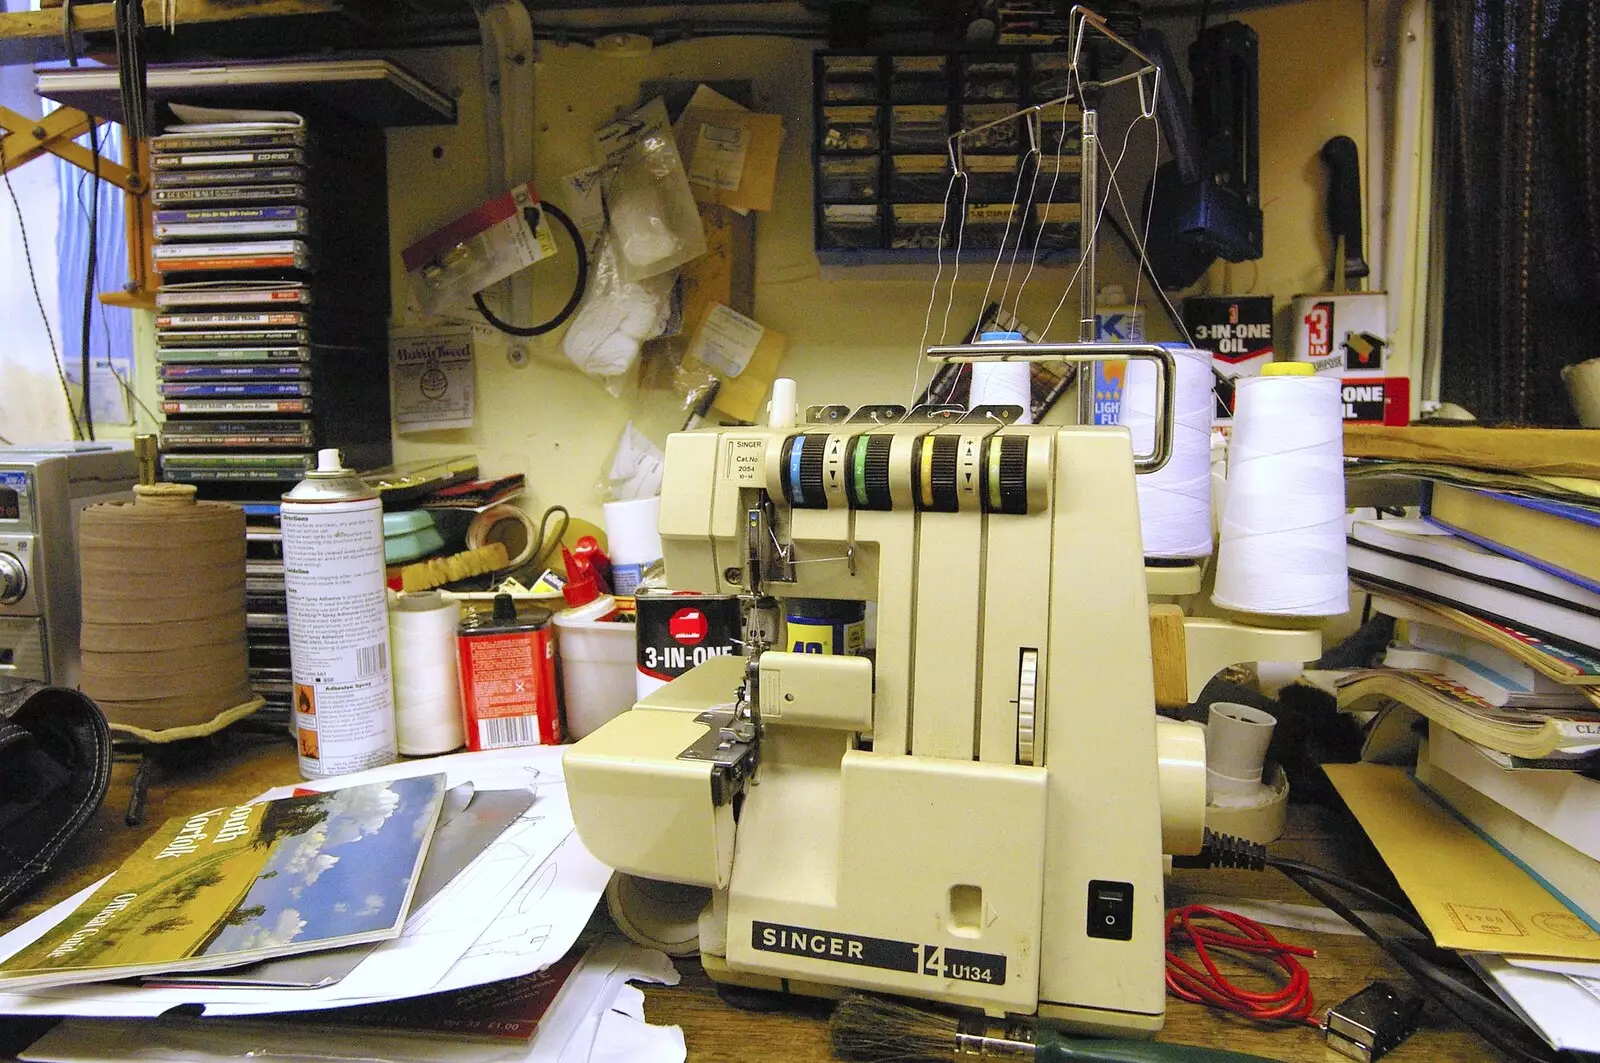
x: 516, y: 907
x: 1539, y: 953
x: 596, y: 1017
x: 1559, y: 1000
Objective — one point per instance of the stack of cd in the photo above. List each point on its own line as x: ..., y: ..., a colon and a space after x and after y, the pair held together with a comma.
x: 233, y: 329
x: 267, y: 612
x: 271, y: 324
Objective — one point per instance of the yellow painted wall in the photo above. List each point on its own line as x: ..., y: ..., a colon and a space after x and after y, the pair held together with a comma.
x: 851, y: 340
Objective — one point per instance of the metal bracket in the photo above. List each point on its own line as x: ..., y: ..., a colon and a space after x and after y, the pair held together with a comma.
x: 732, y: 760
x: 1080, y: 353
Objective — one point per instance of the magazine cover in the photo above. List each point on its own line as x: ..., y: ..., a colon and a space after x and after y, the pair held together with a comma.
x: 236, y: 885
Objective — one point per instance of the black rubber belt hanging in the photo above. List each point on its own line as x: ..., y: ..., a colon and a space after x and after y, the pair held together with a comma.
x: 578, y: 288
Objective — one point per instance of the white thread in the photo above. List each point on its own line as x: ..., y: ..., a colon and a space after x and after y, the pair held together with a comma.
x: 1005, y: 237
x: 933, y: 292
x: 427, y: 697
x: 1050, y: 197
x: 1174, y: 503
x: 1094, y: 232
x: 1144, y: 237
x: 1034, y: 158
x: 955, y: 274
x: 1002, y: 384
x: 1283, y: 549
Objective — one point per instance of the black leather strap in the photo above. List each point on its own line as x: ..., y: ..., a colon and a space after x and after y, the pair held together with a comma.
x: 10, y: 734
x: 55, y: 766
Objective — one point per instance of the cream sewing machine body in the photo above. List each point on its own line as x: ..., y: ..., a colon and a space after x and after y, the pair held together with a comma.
x: 979, y: 814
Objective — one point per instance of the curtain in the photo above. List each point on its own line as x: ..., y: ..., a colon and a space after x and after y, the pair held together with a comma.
x: 110, y: 327
x: 1519, y: 137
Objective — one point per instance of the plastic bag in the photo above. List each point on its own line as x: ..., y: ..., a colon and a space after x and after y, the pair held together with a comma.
x: 654, y: 221
x: 634, y: 468
x: 615, y: 319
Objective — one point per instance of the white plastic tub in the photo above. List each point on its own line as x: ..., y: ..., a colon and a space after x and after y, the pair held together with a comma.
x: 597, y: 671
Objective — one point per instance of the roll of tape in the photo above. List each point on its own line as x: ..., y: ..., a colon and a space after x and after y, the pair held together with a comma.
x: 163, y: 608
x: 508, y: 526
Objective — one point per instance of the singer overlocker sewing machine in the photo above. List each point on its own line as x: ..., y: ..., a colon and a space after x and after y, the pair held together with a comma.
x: 979, y: 814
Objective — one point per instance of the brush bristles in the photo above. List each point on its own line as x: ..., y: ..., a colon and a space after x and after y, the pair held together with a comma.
x: 879, y: 1030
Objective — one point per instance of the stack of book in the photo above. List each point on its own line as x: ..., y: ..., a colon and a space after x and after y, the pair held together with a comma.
x: 233, y: 329
x: 1498, y: 587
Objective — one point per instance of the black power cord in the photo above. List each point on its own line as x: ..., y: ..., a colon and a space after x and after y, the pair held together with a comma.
x: 84, y: 360
x: 1439, y: 973
x: 580, y: 285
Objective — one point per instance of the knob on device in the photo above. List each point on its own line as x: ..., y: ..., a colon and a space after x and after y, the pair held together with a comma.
x: 801, y: 470
x: 933, y: 471
x: 1005, y: 474
x: 867, y: 472
x: 13, y: 579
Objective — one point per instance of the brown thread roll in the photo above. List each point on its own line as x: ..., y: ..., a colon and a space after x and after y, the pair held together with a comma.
x: 163, y: 637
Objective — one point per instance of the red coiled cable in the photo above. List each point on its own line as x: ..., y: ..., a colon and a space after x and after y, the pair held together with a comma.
x: 1293, y: 1003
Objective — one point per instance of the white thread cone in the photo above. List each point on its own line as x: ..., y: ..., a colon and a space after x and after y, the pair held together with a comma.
x: 1174, y: 503
x: 1283, y: 548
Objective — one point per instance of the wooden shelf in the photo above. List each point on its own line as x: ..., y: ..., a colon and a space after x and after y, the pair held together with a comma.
x: 90, y: 17
x: 129, y: 300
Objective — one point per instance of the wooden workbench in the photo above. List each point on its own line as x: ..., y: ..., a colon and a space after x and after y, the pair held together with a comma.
x: 718, y: 1033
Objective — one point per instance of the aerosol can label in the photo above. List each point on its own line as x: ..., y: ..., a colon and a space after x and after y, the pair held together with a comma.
x: 338, y: 635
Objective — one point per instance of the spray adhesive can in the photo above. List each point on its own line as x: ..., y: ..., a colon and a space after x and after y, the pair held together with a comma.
x: 333, y: 576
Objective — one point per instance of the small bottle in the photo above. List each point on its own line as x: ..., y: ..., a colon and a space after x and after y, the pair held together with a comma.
x: 582, y: 592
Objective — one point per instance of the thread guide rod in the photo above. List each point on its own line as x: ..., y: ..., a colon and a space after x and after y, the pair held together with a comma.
x: 1083, y: 353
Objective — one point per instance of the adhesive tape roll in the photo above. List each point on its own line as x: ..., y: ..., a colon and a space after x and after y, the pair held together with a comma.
x: 508, y: 526
x: 163, y: 613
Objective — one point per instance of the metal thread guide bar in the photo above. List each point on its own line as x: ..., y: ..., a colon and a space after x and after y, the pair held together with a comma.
x: 1083, y: 353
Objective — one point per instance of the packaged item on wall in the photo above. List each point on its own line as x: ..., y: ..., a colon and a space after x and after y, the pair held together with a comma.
x: 1347, y: 335
x: 485, y: 245
x: 654, y: 219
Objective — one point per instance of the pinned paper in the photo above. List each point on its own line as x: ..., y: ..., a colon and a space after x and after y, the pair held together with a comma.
x: 732, y: 152
x: 431, y: 373
x: 580, y: 191
x: 743, y: 354
x: 726, y: 341
x: 1470, y: 895
x: 743, y: 397
x: 719, y: 156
